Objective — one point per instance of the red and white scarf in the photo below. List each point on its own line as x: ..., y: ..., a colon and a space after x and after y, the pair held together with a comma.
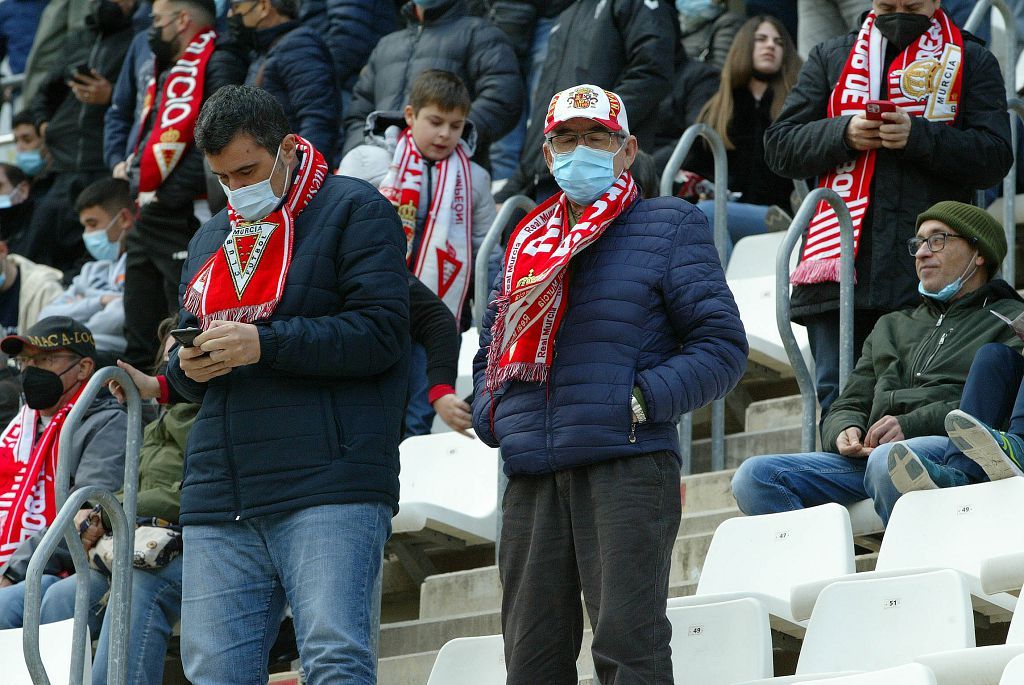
x: 444, y: 260
x: 173, y: 132
x: 534, y: 295
x: 28, y: 497
x: 925, y: 80
x: 244, y: 280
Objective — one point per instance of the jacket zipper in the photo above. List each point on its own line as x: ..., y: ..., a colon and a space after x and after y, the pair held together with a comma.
x: 942, y: 339
x: 412, y: 53
x: 230, y: 452
x: 924, y: 346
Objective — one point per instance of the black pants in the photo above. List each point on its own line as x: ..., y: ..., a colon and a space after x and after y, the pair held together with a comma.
x: 54, y: 237
x: 823, y: 339
x: 156, y: 252
x: 608, y: 530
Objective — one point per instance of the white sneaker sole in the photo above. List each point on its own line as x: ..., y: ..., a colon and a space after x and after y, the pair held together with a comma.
x: 973, y: 439
x: 906, y: 470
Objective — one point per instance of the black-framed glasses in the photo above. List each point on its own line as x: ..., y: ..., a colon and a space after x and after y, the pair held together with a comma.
x: 567, y: 142
x: 936, y: 242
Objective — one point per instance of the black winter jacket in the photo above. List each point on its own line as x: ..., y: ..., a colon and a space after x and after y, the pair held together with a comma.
x: 295, y: 66
x: 626, y: 46
x: 74, y: 129
x: 693, y: 85
x: 940, y: 162
x: 447, y: 39
x: 318, y: 419
x: 351, y: 28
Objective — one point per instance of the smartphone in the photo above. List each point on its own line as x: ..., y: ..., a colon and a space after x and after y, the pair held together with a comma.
x: 83, y: 69
x: 874, y: 108
x: 186, y: 337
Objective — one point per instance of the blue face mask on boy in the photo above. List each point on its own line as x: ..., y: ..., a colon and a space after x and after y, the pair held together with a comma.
x: 946, y: 294
x: 585, y: 174
x: 29, y: 161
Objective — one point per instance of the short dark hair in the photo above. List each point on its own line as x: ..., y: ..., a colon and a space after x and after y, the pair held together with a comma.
x: 442, y: 89
x: 289, y: 8
x: 14, y: 174
x: 112, y: 194
x: 24, y: 118
x: 203, y: 11
x: 240, y: 109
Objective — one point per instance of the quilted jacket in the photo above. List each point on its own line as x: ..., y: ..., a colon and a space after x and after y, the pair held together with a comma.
x: 648, y: 307
x: 317, y: 420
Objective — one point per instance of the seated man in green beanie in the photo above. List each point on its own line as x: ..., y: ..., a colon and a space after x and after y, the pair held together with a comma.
x: 887, y: 427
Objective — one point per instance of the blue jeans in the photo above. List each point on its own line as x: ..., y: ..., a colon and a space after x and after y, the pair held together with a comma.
x: 744, y: 219
x: 58, y: 601
x: 325, y: 561
x: 156, y: 607
x: 785, y: 482
x: 419, y: 415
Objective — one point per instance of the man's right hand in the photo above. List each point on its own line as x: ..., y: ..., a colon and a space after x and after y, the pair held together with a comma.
x: 849, y: 443
x: 198, y: 365
x: 862, y: 133
x: 149, y: 386
x: 120, y: 171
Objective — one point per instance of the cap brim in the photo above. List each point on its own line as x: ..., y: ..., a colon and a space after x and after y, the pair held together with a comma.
x: 12, y: 345
x: 608, y: 124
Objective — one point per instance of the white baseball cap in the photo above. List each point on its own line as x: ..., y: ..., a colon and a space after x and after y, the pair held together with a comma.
x: 587, y: 102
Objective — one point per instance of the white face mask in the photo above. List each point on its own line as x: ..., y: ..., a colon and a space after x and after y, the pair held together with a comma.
x: 256, y: 201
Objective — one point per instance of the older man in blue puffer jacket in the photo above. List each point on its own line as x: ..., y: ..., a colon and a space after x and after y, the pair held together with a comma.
x: 611, y: 319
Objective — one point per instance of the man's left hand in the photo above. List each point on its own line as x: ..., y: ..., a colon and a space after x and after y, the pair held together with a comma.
x: 895, y: 131
x: 92, y: 88
x: 231, y: 343
x: 886, y: 429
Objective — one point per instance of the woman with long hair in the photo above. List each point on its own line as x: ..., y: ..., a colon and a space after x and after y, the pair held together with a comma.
x: 759, y: 72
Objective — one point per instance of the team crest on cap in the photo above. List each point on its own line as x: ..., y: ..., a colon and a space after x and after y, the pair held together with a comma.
x: 583, y: 98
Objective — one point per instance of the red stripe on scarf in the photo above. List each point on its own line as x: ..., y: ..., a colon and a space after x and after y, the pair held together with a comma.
x: 233, y: 287
x: 931, y: 63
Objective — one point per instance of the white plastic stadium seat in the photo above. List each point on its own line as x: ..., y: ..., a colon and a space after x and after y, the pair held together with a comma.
x: 765, y: 556
x: 878, y: 623
x: 720, y: 644
x: 864, y: 519
x: 55, y: 648
x: 1014, y: 673
x: 957, y: 528
x: 470, y: 661
x: 908, y: 674
x: 751, y: 278
x: 449, y: 484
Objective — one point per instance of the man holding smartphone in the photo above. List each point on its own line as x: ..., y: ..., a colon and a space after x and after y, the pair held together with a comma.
x: 291, y: 471
x: 947, y: 135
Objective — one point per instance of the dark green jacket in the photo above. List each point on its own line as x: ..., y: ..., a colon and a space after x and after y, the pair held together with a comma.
x: 915, y: 362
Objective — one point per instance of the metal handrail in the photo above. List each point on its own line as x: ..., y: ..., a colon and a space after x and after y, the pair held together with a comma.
x: 723, y: 243
x: 981, y: 11
x: 481, y: 286
x: 122, y: 519
x: 783, y: 306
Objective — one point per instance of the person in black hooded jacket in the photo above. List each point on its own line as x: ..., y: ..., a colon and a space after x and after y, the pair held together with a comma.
x: 445, y: 37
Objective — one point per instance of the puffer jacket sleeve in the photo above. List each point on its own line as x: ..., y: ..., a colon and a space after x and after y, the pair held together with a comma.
x: 120, y: 116
x: 366, y: 337
x: 307, y: 72
x: 712, y: 352
x: 650, y: 55
x: 803, y: 141
x: 360, y: 106
x: 976, y: 152
x: 483, y: 400
x: 353, y: 29
x: 495, y: 83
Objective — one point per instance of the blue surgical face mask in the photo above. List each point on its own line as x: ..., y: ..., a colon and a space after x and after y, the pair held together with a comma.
x: 29, y: 161
x: 429, y: 4
x: 585, y: 174
x: 6, y: 202
x: 100, y: 246
x: 947, y: 293
x: 255, y: 202
x: 695, y: 13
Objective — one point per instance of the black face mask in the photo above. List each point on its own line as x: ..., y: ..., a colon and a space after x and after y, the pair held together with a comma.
x: 42, y: 388
x: 243, y: 35
x: 108, y: 17
x: 901, y: 28
x: 163, y: 50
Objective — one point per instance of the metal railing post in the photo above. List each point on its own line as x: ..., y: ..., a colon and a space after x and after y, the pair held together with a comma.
x: 983, y: 10
x: 122, y: 519
x: 723, y: 243
x: 481, y: 292
x: 782, y: 303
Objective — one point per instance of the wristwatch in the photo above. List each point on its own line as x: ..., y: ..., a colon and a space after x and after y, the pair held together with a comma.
x: 637, y: 407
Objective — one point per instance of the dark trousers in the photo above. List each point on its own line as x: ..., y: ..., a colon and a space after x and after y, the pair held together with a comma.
x: 823, y: 338
x: 992, y: 394
x: 607, y: 529
x: 54, y: 237
x: 156, y: 253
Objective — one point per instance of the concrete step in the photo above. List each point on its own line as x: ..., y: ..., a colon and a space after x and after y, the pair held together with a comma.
x: 774, y: 413
x: 739, y: 446
x: 704, y: 492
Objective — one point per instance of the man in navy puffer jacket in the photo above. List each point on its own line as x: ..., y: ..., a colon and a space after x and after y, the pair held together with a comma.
x: 291, y: 470
x: 599, y: 338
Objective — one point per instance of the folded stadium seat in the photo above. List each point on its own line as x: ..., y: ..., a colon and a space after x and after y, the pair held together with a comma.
x: 720, y: 644
x: 1004, y: 573
x: 908, y: 674
x: 763, y: 557
x: 956, y: 528
x: 470, y: 661
x: 1014, y: 673
x: 864, y: 519
x: 751, y: 278
x: 449, y: 484
x: 878, y: 623
x: 55, y: 649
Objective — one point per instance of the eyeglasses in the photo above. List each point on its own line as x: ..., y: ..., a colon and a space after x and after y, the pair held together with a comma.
x: 598, y: 140
x: 44, y: 359
x: 936, y: 242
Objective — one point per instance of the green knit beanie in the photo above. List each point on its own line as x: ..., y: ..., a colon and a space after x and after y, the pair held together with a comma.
x: 971, y: 222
